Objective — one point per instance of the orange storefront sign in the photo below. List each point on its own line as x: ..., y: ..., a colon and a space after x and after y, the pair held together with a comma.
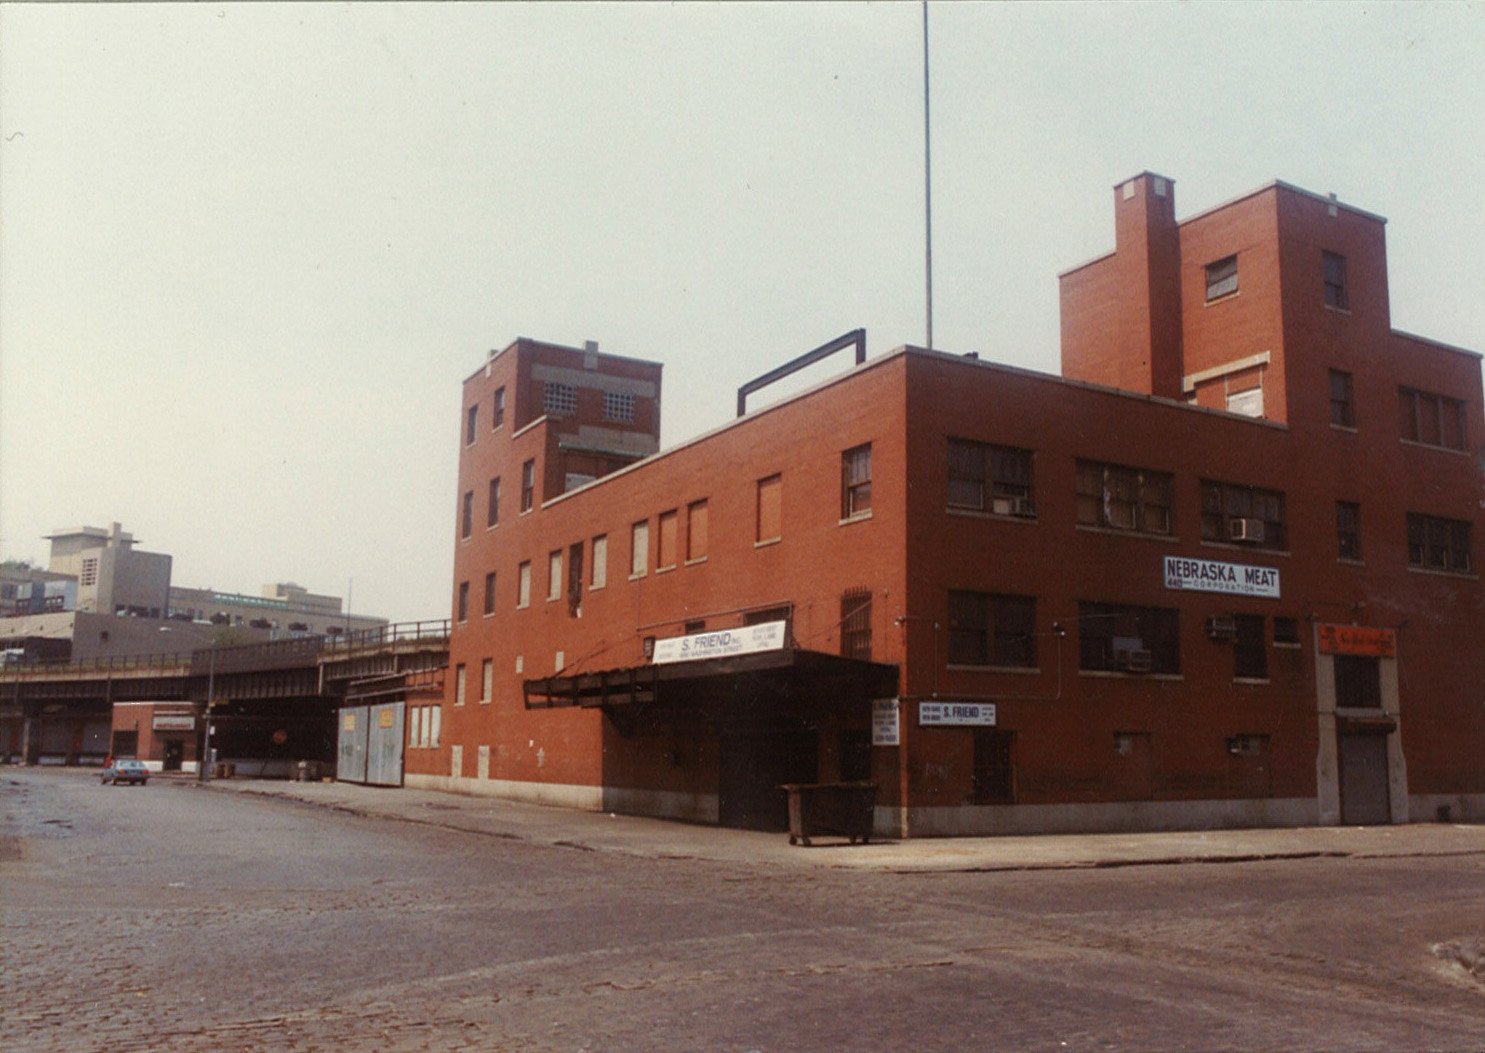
x: 1358, y: 639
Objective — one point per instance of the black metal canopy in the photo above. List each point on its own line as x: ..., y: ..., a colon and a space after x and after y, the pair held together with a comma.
x: 710, y: 685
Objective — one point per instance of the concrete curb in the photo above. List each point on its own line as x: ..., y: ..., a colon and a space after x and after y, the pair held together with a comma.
x: 661, y: 839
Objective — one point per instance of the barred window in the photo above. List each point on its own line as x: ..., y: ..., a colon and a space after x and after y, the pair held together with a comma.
x: 855, y: 624
x: 618, y: 406
x: 559, y: 400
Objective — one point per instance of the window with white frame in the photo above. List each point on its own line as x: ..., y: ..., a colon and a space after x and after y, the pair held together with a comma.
x: 600, y: 562
x: 1222, y: 278
x: 639, y: 548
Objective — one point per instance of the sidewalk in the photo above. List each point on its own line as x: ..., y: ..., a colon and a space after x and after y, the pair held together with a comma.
x: 660, y: 839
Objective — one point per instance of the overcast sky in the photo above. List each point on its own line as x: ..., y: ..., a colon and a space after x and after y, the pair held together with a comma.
x: 249, y: 253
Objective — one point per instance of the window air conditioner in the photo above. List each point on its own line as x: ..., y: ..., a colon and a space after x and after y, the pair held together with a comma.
x: 1134, y: 661
x: 1239, y: 529
x: 1221, y: 627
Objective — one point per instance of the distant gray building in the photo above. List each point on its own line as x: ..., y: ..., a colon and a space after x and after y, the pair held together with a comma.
x: 101, y: 596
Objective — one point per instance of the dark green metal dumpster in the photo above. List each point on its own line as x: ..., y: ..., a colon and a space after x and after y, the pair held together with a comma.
x: 843, y: 809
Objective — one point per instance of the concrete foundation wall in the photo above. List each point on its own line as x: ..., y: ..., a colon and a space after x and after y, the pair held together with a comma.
x: 1121, y: 817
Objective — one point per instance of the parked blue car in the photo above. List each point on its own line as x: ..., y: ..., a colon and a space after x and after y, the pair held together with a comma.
x: 130, y: 771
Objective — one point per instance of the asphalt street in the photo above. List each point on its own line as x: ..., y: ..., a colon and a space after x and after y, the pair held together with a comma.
x: 171, y: 917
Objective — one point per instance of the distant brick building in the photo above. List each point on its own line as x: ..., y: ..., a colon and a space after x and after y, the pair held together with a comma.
x: 1221, y: 572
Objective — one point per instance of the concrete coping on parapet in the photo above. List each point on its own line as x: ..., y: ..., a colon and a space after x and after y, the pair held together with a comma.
x: 554, y: 827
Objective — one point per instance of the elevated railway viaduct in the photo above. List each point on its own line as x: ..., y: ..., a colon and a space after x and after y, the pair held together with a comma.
x: 270, y: 705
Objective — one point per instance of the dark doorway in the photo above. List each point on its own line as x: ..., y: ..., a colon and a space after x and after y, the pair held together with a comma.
x: 753, y: 767
x: 1365, y: 796
x: 175, y: 749
x: 995, y: 771
x: 855, y: 756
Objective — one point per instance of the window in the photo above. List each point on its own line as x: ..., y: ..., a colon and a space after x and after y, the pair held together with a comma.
x: 575, y: 579
x: 471, y: 422
x: 639, y: 548
x: 1248, y: 403
x: 1286, y: 632
x: 1348, y: 530
x: 855, y: 482
x: 1358, y: 682
x: 1342, y: 404
x: 1334, y: 267
x: 696, y: 531
x: 1433, y: 420
x: 559, y: 400
x: 528, y: 485
x: 987, y: 629
x: 770, y: 508
x: 1439, y: 544
x: 497, y: 417
x: 431, y: 722
x: 466, y: 515
x: 600, y: 562
x: 490, y: 593
x: 554, y: 575
x: 1122, y: 638
x: 463, y: 601
x: 487, y: 681
x: 1007, y: 469
x: 855, y: 624
x: 1234, y: 513
x: 618, y: 407
x: 1249, y: 650
x: 1119, y: 498
x: 460, y: 685
x: 523, y: 585
x: 1222, y: 278
x: 492, y: 512
x: 669, y: 541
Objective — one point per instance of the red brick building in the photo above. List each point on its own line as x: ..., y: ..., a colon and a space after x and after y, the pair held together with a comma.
x: 1221, y: 572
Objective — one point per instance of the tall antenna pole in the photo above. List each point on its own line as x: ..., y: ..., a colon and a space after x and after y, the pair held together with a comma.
x: 927, y: 187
